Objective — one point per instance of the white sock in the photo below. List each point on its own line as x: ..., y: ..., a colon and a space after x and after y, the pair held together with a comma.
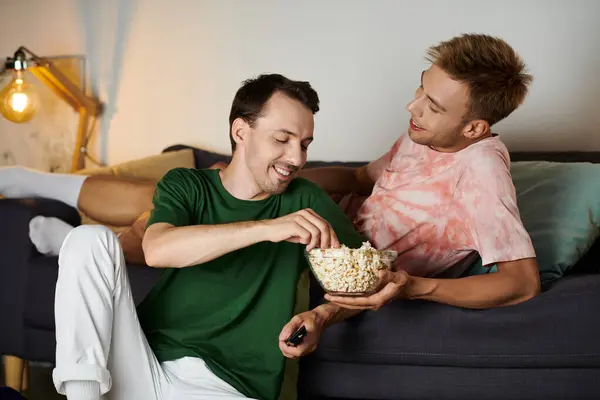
x: 82, y: 390
x: 23, y: 182
x: 48, y: 234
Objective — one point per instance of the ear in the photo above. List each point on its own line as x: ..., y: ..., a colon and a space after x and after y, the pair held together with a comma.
x: 239, y: 130
x: 475, y: 129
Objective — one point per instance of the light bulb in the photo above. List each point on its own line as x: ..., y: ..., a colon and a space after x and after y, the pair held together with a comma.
x: 18, y: 100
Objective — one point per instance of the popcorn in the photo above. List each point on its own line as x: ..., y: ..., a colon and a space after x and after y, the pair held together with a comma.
x: 350, y: 271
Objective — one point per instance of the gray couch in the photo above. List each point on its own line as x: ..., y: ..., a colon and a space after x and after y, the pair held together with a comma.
x: 546, y: 348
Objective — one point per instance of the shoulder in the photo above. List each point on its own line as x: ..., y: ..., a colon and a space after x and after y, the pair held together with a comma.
x: 486, y: 167
x: 304, y: 193
x: 489, y: 155
x: 302, y: 186
x: 187, y: 175
x: 186, y: 181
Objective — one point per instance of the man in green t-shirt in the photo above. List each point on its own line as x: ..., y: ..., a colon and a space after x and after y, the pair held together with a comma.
x: 231, y: 242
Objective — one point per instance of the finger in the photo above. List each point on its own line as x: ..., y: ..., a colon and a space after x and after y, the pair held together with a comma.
x: 290, y: 328
x: 385, y: 295
x: 287, y: 350
x: 342, y: 303
x: 300, y: 235
x: 324, y: 227
x: 353, y: 302
x: 307, y: 346
x: 315, y: 221
x: 335, y: 242
x: 385, y: 277
x: 399, y: 278
x: 314, y: 231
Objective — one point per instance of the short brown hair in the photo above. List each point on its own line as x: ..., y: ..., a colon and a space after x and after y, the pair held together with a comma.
x: 492, y: 70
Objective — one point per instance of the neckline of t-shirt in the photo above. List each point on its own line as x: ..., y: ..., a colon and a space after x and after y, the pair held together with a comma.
x: 231, y: 198
x: 459, y: 153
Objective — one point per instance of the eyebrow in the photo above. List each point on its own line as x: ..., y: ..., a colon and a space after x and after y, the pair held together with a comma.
x: 293, y: 134
x: 436, y: 103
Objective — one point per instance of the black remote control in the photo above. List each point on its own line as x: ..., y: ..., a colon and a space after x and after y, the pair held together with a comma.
x: 296, y: 338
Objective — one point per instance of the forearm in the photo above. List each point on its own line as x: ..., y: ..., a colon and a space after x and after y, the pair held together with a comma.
x: 339, y: 180
x: 477, y: 292
x: 330, y: 314
x: 197, y: 244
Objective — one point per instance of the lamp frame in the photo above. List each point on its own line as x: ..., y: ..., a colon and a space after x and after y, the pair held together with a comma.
x: 87, y: 107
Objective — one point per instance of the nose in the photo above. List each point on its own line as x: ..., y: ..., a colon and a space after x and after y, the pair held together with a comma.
x: 295, y: 156
x: 415, y: 107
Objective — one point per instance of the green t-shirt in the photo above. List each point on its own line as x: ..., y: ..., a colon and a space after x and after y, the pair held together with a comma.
x: 230, y: 311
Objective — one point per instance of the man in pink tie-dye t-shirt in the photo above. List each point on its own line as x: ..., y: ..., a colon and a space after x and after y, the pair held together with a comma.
x: 443, y: 193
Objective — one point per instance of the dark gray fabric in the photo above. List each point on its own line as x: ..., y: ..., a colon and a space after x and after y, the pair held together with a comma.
x: 15, y: 251
x: 544, y: 332
x: 409, y: 382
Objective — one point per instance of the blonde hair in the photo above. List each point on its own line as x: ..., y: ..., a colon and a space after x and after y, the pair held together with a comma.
x: 492, y: 70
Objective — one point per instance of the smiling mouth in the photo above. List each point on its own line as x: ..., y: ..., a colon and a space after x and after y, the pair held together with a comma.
x: 414, y: 126
x: 282, y: 173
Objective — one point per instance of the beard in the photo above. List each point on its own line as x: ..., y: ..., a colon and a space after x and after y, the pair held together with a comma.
x: 266, y: 180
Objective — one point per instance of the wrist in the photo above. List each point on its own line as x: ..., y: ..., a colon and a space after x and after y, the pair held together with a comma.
x: 260, y: 230
x: 420, y: 288
x: 325, y: 313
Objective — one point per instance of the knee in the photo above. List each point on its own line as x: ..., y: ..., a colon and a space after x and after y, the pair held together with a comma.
x: 89, y: 235
x: 90, y: 240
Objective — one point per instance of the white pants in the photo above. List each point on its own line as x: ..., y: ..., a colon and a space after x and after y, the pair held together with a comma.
x: 99, y: 337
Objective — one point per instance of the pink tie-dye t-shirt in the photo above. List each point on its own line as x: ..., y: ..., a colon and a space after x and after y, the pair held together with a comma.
x: 438, y: 209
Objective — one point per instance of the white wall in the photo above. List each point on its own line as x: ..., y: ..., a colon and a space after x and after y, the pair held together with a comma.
x: 169, y: 69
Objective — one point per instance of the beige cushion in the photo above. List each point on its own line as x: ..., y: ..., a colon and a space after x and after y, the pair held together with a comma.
x: 151, y: 167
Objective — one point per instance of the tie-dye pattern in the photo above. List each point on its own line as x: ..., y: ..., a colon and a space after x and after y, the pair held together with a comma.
x: 438, y: 209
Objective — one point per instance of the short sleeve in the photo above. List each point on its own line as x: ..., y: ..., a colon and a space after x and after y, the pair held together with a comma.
x: 488, y: 203
x: 375, y: 168
x: 172, y: 199
x: 326, y: 208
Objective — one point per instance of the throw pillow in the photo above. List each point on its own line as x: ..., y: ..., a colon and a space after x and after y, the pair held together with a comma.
x: 152, y: 167
x: 560, y: 208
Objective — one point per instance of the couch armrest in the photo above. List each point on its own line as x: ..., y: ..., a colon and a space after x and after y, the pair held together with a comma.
x: 16, y: 252
x: 15, y: 215
x: 34, y: 207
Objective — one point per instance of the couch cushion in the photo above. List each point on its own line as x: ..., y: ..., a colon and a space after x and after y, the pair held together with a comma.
x: 526, y: 335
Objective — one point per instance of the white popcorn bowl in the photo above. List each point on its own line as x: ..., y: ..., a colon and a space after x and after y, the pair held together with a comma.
x: 339, y: 277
